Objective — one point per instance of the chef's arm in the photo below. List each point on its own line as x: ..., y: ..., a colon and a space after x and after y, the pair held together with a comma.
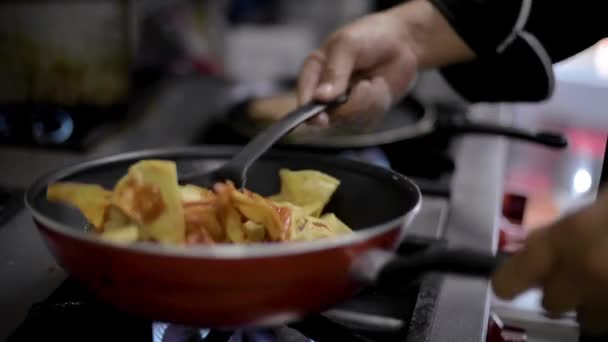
x: 517, y: 42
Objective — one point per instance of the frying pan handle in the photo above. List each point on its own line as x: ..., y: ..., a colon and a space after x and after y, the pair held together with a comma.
x: 547, y: 138
x: 387, y: 269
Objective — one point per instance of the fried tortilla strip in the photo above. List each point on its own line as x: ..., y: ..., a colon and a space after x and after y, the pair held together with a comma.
x: 335, y: 224
x: 200, y: 237
x: 231, y: 219
x: 297, y: 218
x: 91, y: 200
x: 193, y: 194
x: 149, y: 195
x: 229, y: 216
x: 254, y: 232
x: 308, y: 189
x: 200, y: 214
x: 256, y: 208
x: 202, y: 220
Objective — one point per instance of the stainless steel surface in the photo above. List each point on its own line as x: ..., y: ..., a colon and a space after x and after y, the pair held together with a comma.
x: 463, y: 306
x: 431, y: 220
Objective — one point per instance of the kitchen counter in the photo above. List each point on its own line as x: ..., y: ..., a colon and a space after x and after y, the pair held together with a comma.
x: 173, y: 119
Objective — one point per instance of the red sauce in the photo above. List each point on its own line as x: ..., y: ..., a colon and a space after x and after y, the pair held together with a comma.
x: 284, y: 214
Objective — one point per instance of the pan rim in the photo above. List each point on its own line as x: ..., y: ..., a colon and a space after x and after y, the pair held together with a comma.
x: 218, y: 251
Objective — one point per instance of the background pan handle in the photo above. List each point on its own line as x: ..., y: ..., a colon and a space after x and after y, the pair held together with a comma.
x: 546, y: 138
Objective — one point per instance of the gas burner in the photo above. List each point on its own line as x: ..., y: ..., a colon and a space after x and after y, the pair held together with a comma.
x: 164, y: 332
x: 61, y: 127
x: 76, y: 127
x: 313, y: 329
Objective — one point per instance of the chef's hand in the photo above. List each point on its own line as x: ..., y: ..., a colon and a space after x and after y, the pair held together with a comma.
x: 377, y: 57
x: 569, y: 261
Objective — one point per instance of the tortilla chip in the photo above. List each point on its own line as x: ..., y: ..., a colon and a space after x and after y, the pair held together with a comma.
x: 147, y: 204
x: 150, y: 196
x: 335, y: 224
x: 308, y: 189
x: 192, y: 194
x: 125, y: 235
x: 91, y: 200
x: 313, y: 229
x: 115, y: 218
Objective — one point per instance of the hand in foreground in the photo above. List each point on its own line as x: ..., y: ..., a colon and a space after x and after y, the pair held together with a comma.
x: 377, y: 57
x: 569, y: 261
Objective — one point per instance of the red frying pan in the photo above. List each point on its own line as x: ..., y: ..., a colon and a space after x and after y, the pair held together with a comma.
x: 237, y: 285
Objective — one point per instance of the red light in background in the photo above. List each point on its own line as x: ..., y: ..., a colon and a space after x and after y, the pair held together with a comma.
x: 523, y: 178
x: 586, y: 142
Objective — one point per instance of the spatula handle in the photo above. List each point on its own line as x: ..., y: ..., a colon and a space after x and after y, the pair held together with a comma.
x: 268, y: 137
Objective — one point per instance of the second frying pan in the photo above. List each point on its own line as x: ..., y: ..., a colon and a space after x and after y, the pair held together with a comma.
x: 409, y: 119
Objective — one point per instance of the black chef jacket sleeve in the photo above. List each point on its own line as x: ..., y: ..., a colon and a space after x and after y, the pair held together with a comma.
x: 517, y: 42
